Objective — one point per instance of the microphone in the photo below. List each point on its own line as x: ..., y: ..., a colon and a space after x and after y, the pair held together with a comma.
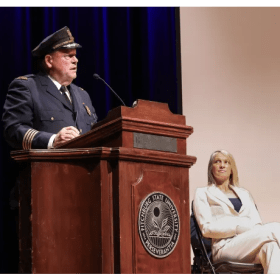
x: 97, y: 77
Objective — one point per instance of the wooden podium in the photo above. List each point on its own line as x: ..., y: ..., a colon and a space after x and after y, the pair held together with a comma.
x: 114, y: 200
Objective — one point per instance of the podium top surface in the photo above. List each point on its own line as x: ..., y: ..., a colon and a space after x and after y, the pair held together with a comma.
x: 146, y: 110
x: 121, y: 123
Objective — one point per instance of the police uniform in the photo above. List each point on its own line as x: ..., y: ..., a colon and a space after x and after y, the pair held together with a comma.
x: 35, y: 109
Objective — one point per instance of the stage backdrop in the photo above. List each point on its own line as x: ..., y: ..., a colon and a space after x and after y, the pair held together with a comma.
x: 231, y: 85
x: 135, y: 50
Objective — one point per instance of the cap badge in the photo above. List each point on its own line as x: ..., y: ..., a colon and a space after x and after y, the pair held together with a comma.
x: 69, y: 34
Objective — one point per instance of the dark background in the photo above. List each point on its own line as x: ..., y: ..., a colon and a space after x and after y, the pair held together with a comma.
x: 136, y: 50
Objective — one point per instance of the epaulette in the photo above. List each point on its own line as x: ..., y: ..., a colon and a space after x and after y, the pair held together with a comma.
x: 81, y: 88
x: 25, y: 77
x: 21, y: 78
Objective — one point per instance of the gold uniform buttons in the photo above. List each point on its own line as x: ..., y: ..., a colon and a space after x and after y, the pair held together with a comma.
x: 52, y: 118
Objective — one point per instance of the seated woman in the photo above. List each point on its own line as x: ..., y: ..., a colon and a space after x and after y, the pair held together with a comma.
x: 227, y: 214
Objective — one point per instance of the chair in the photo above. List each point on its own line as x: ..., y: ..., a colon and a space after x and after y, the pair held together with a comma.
x: 202, y: 261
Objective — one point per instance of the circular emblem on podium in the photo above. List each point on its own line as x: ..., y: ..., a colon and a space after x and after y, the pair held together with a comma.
x: 158, y: 224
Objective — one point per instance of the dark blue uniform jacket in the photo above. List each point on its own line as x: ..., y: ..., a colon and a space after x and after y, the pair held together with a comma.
x: 34, y: 102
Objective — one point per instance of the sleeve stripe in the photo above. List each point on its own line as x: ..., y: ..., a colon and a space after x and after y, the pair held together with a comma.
x: 28, y: 138
x: 24, y: 139
x: 31, y: 140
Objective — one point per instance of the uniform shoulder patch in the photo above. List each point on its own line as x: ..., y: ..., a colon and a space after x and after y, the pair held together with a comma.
x: 21, y: 78
x: 81, y: 88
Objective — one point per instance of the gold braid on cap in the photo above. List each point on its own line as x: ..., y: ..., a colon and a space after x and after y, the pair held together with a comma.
x: 71, y: 40
x: 63, y: 43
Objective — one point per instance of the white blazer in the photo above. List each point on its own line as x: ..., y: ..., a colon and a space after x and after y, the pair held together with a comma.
x: 216, y: 216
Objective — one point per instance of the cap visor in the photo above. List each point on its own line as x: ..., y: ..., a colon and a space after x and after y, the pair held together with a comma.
x: 71, y: 46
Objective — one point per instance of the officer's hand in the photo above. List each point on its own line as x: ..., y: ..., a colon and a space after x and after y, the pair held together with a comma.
x: 65, y: 134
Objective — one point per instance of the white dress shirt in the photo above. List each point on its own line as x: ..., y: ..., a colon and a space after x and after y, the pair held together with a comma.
x: 58, y: 85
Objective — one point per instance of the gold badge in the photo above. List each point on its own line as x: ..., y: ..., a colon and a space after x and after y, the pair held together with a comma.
x: 88, y: 110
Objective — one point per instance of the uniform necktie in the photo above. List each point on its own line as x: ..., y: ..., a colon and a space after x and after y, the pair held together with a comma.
x: 63, y: 90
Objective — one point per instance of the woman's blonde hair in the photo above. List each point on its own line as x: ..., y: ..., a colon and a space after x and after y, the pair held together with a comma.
x: 233, y: 179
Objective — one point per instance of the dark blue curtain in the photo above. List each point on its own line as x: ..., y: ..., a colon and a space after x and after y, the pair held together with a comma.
x: 136, y: 50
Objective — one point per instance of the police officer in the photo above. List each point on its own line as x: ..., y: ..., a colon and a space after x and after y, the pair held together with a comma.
x: 45, y: 110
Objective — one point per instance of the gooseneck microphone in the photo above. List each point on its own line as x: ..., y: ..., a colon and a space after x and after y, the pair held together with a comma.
x: 97, y: 77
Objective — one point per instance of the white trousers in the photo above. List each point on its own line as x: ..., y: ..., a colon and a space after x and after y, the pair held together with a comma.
x: 261, y: 244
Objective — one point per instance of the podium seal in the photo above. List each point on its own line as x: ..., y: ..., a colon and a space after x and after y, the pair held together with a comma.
x: 158, y: 224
